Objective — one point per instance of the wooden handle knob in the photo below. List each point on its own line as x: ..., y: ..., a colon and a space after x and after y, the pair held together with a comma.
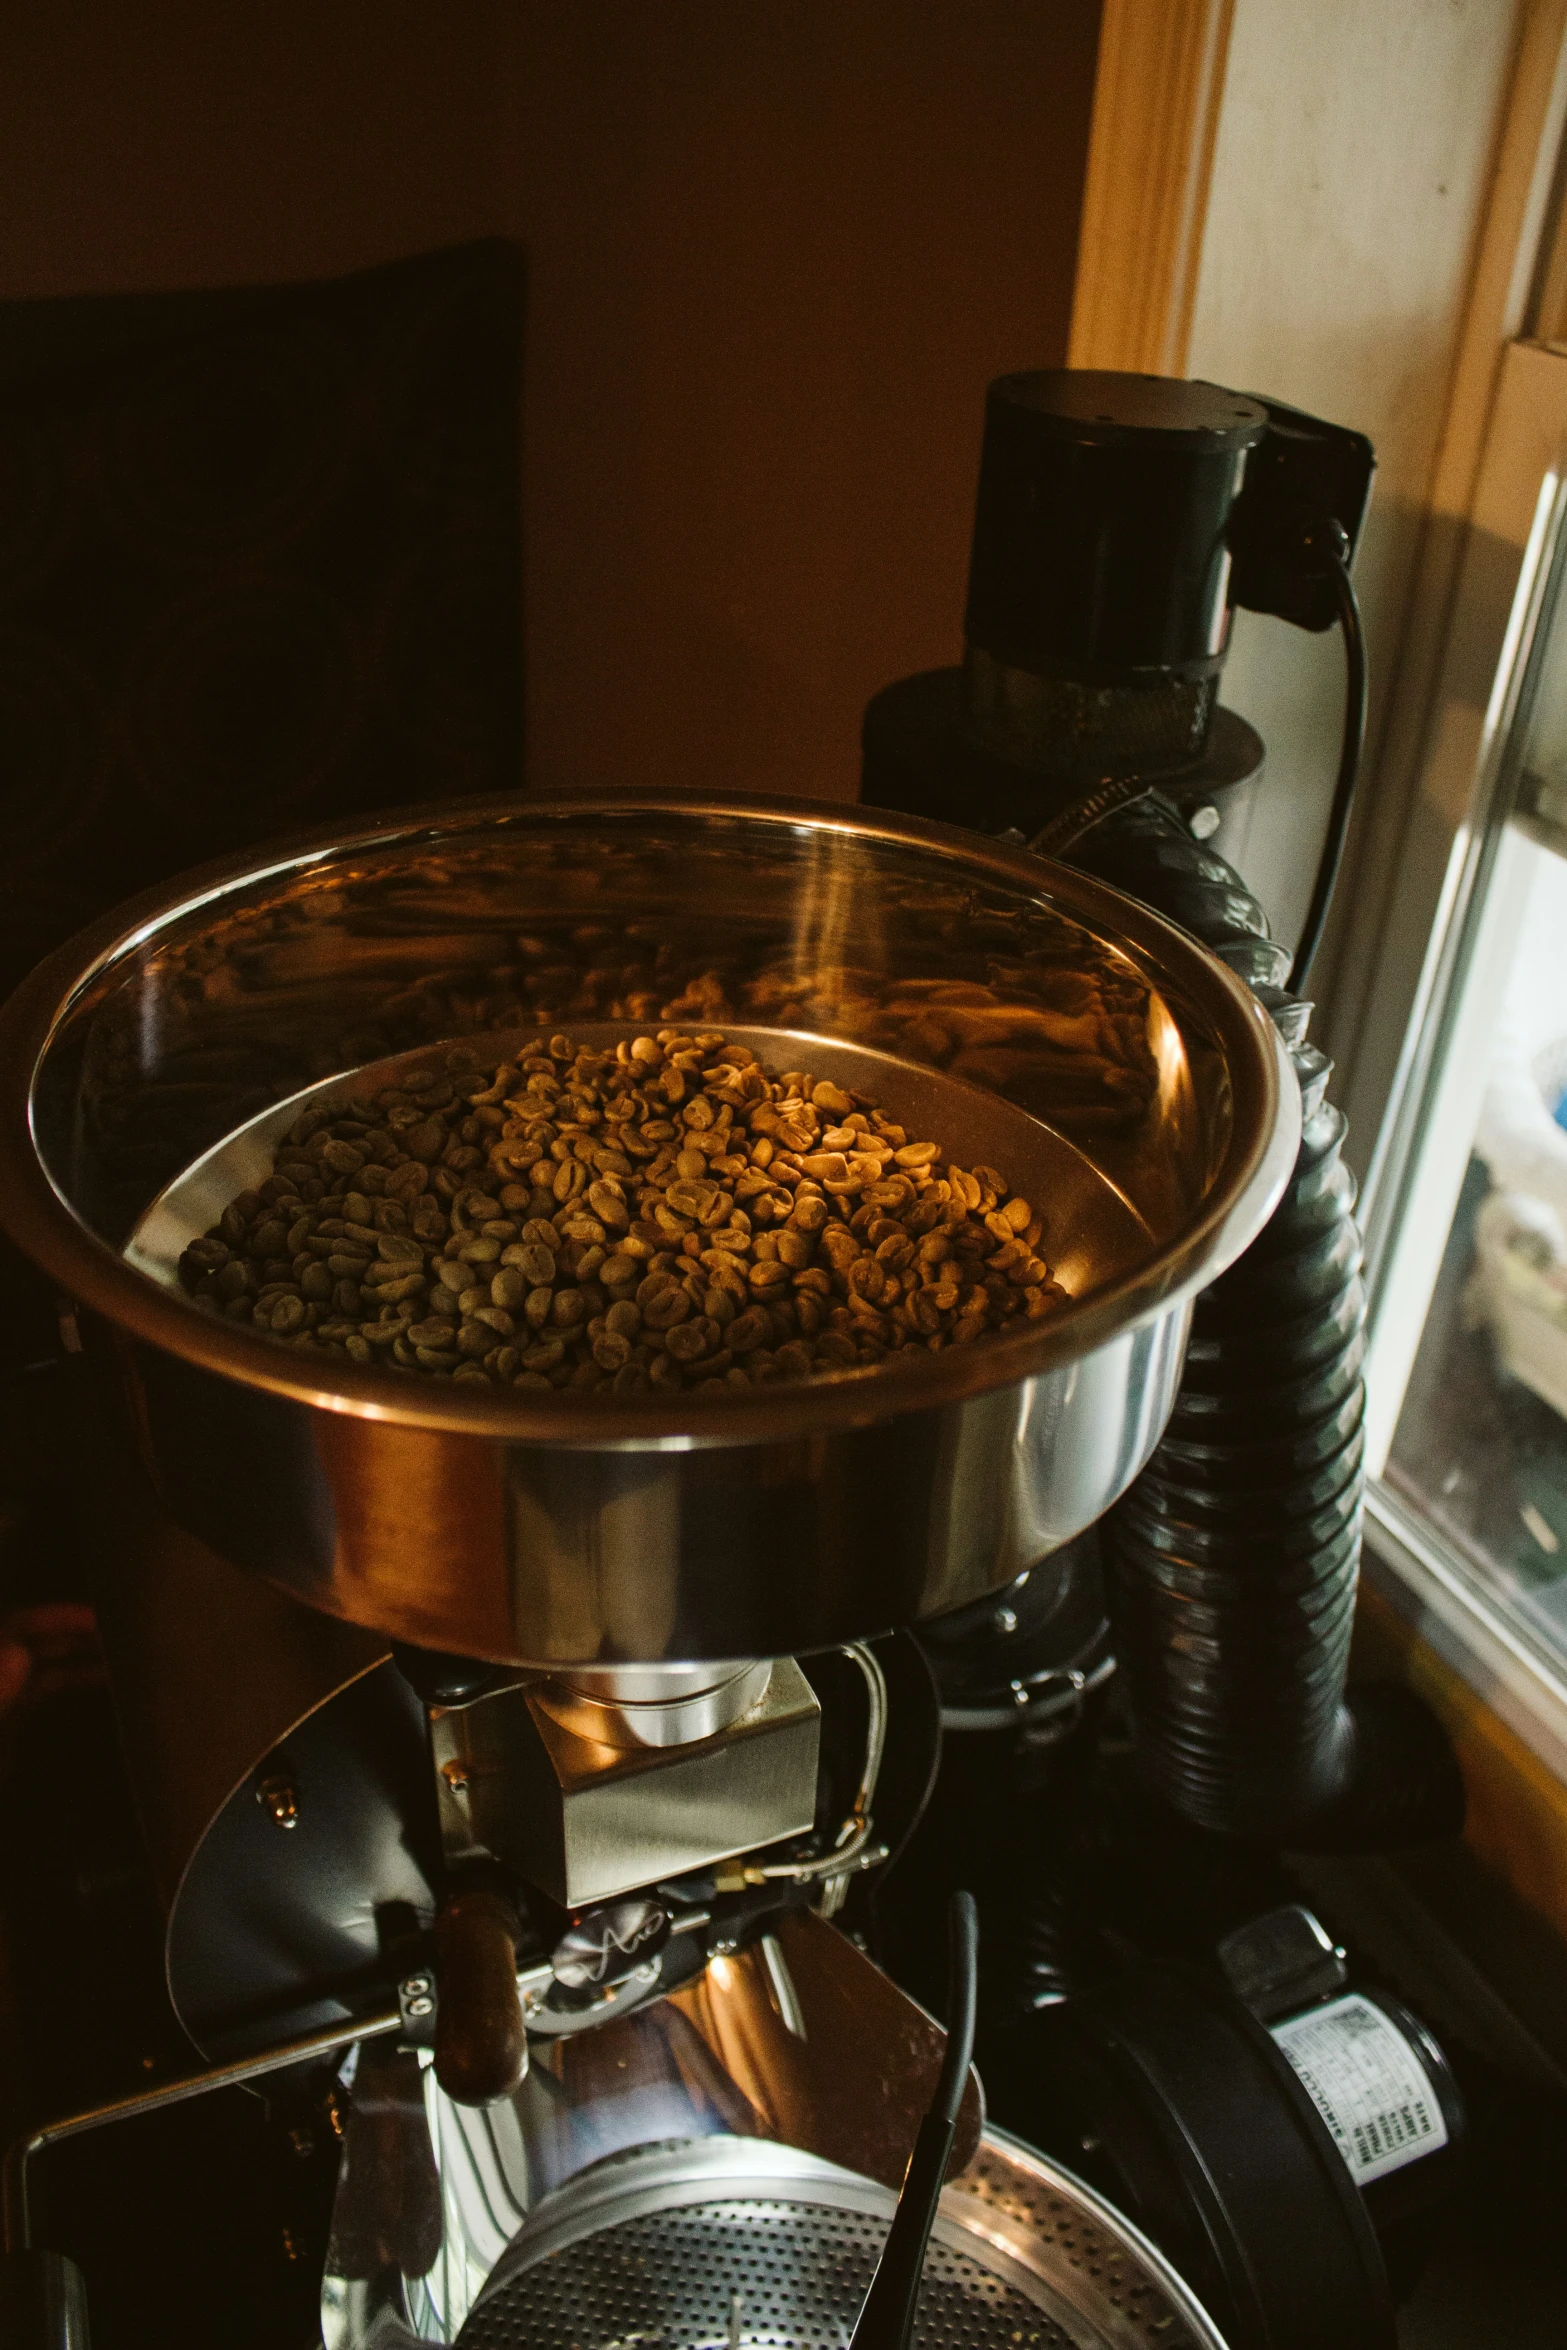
x: 481, y: 2049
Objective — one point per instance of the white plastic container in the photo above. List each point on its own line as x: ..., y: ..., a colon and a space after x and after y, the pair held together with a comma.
x: 1520, y: 1284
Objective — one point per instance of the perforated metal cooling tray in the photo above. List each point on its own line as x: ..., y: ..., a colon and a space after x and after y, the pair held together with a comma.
x: 739, y: 2244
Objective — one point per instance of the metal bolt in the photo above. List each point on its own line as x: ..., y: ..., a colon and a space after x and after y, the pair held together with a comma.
x: 456, y: 1776
x: 414, y: 1984
x: 1204, y: 822
x: 420, y: 2005
x: 279, y: 1799
x: 1004, y: 1620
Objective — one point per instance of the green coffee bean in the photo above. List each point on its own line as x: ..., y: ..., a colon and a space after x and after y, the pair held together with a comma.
x: 509, y: 1287
x: 685, y: 1342
x: 669, y: 1204
x: 836, y: 1347
x: 433, y: 1332
x: 394, y: 1292
x: 667, y: 1307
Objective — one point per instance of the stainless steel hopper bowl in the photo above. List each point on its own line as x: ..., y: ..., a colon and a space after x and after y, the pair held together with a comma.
x: 1011, y: 1010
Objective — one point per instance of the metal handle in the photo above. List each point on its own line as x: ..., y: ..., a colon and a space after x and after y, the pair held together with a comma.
x: 43, y: 2302
x: 481, y: 2048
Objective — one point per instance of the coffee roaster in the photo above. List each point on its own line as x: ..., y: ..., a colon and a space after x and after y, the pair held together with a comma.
x: 518, y: 1769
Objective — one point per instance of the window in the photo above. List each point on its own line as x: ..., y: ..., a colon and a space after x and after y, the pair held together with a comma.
x: 1467, y: 1224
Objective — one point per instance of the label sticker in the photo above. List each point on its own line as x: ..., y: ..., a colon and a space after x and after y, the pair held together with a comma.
x: 1367, y: 2083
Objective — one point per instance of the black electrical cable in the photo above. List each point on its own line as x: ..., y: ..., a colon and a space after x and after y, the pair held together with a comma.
x: 1336, y: 571
x: 886, y: 2320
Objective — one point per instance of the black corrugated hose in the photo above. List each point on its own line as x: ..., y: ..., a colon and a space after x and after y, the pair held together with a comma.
x: 1232, y: 1561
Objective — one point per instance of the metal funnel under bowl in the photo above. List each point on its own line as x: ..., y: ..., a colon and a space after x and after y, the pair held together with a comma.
x: 1015, y: 1012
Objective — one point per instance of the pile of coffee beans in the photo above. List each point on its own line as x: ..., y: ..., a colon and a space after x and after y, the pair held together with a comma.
x: 657, y: 1216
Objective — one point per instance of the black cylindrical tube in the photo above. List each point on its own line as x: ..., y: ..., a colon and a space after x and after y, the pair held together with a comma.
x: 1231, y: 1563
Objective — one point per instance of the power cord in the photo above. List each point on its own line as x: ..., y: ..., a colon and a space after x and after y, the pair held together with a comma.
x: 1328, y: 543
x: 886, y: 2319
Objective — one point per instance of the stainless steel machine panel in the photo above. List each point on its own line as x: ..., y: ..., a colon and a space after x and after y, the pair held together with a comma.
x: 586, y: 1821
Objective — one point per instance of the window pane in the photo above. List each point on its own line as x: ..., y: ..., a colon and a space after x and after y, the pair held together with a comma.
x: 1480, y: 1446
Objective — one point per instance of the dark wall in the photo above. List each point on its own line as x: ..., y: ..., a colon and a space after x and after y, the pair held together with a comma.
x: 775, y: 249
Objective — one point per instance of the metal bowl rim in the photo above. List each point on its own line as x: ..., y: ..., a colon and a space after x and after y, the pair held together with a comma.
x: 1261, y: 1151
